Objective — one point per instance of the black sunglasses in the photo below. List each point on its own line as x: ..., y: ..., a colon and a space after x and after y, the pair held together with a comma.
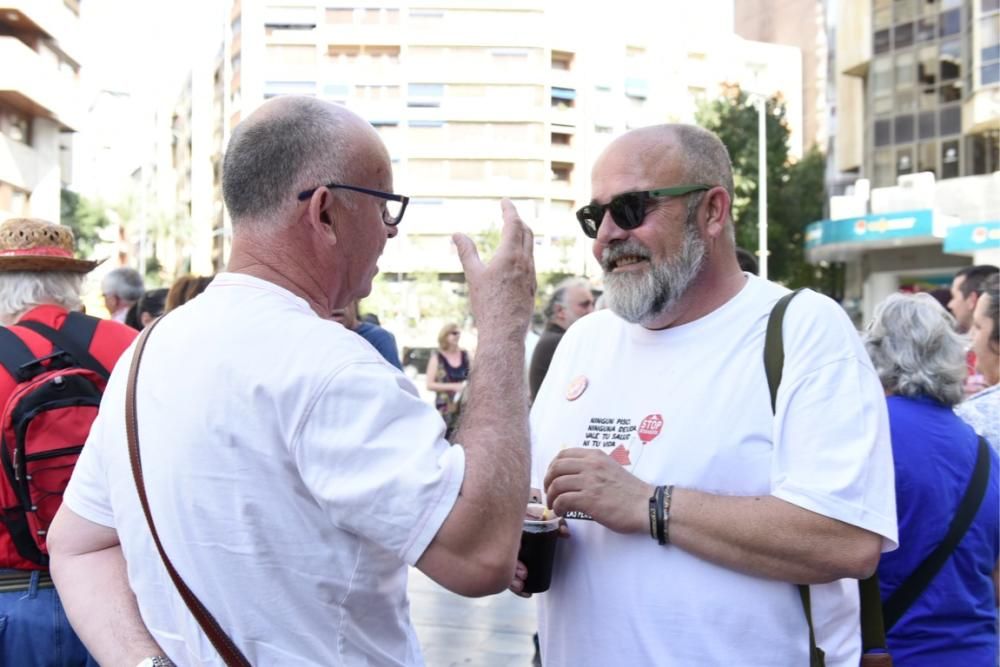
x: 395, y: 205
x: 628, y: 209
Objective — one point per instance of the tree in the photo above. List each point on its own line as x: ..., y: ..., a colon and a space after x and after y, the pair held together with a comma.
x: 85, y: 217
x: 795, y: 190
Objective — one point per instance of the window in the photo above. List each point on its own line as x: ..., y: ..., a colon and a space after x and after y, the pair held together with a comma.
x: 335, y: 91
x: 340, y: 15
x: 883, y: 132
x: 950, y: 23
x: 903, y: 35
x: 926, y: 29
x: 564, y: 98
x: 906, y: 100
x: 951, y: 59
x: 905, y: 10
x: 424, y: 94
x: 561, y: 139
x: 15, y: 125
x: 903, y: 129
x: 904, y: 161
x: 950, y: 120
x: 562, y: 172
x: 904, y: 69
x: 989, y: 45
x: 949, y: 159
x: 986, y: 6
x: 881, y: 41
x: 929, y: 7
x: 562, y: 60
x: 275, y: 88
x: 291, y: 54
x: 927, y: 157
x: 467, y: 170
x: 951, y: 92
x: 926, y: 125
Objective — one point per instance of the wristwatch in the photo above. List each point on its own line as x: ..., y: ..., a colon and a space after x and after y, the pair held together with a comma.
x: 156, y: 661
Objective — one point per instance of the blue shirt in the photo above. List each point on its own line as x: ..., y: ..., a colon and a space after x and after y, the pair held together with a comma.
x: 953, y: 622
x: 381, y: 340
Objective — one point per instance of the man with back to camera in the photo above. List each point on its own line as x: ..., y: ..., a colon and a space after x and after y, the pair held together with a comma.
x: 691, y: 509
x: 292, y: 474
x: 571, y: 300
x: 121, y: 288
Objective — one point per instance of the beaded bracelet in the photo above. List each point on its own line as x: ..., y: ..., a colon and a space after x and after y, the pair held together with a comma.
x: 664, y: 524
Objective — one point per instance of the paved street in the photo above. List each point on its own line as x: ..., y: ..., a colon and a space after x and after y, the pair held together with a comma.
x: 484, y: 632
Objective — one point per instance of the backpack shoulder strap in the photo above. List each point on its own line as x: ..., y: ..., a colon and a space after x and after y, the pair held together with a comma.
x: 14, y: 354
x: 915, y: 584
x: 74, y: 338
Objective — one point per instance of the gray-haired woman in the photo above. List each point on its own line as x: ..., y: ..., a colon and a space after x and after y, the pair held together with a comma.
x: 921, y: 363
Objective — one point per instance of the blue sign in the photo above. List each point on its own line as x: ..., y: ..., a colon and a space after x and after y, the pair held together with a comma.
x: 878, y: 227
x: 973, y: 236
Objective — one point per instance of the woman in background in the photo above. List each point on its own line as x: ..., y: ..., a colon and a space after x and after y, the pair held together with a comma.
x: 920, y: 360
x: 447, y: 370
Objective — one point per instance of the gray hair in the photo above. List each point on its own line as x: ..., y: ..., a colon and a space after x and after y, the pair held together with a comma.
x: 915, y: 349
x: 558, y: 297
x: 125, y: 283
x: 706, y: 159
x: 20, y: 291
x: 271, y: 159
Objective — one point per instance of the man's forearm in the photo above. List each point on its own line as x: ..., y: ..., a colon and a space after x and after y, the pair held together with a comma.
x: 767, y: 537
x: 101, y: 607
x: 493, y: 430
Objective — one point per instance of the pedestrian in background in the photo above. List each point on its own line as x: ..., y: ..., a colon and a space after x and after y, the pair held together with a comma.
x: 982, y: 410
x: 571, y: 300
x: 121, y: 288
x: 447, y: 372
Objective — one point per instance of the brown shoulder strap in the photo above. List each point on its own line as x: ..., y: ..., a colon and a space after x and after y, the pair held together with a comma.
x: 220, y: 640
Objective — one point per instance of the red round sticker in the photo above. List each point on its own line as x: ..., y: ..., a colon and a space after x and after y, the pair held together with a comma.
x: 650, y: 427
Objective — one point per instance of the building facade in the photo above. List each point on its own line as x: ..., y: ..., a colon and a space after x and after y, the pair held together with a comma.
x: 918, y: 88
x: 39, y: 103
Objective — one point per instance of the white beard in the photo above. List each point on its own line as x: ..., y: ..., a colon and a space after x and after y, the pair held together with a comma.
x: 642, y: 296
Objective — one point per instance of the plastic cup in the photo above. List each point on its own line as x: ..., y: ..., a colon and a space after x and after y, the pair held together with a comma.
x: 538, y: 548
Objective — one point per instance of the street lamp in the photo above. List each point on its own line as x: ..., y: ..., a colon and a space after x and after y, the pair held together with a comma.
x: 761, y: 98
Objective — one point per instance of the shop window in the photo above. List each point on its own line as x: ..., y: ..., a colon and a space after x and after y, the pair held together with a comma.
x: 983, y: 152
x: 949, y: 159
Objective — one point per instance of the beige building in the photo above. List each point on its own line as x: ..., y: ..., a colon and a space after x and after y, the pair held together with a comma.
x: 918, y: 87
x: 39, y: 103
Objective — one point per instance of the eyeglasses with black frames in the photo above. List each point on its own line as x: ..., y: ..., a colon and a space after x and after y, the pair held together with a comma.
x: 392, y: 212
x: 629, y: 209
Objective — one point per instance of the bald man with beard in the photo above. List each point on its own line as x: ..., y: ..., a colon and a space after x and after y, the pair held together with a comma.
x: 692, y: 511
x: 292, y: 474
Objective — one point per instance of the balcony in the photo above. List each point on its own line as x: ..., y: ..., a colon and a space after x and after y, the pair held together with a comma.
x: 51, y: 18
x: 32, y: 85
x: 20, y: 165
x: 981, y: 110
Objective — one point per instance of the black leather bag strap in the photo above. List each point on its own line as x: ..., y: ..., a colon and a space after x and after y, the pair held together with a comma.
x: 73, y: 338
x: 915, y: 584
x: 872, y: 628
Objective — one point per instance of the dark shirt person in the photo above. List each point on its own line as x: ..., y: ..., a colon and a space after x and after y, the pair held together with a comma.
x: 571, y: 300
x: 381, y: 339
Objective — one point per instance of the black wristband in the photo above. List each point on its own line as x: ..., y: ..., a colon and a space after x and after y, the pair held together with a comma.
x: 659, y: 514
x: 652, y: 515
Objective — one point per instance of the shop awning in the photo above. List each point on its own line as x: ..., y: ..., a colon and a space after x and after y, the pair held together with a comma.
x: 971, y: 237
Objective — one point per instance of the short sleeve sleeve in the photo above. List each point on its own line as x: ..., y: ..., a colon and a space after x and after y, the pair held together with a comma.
x: 88, y: 493
x: 373, y: 455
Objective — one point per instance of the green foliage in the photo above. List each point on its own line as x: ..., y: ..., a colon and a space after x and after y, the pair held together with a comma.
x: 795, y: 190
x: 85, y: 217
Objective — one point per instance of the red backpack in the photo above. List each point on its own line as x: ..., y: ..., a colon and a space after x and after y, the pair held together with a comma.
x: 44, y: 424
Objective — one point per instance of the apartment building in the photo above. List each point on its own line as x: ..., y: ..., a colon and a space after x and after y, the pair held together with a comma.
x: 39, y: 103
x: 918, y: 87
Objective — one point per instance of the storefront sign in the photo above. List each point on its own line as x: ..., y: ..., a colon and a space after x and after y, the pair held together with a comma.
x: 904, y: 224
x: 973, y: 236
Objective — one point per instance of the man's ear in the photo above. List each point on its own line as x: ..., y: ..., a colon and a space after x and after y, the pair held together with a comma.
x: 717, y: 211
x: 318, y: 213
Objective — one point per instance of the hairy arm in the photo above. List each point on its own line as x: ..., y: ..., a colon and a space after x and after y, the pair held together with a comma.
x: 475, y: 550
x: 762, y: 536
x: 88, y: 569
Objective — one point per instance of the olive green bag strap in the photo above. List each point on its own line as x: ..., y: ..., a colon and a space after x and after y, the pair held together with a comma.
x: 872, y: 626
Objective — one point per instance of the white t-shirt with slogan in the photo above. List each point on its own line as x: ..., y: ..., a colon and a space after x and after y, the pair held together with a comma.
x: 690, y: 406
x: 293, y: 474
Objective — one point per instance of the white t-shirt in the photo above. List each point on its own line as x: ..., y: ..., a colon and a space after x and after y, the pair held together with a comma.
x: 689, y: 406
x: 292, y: 475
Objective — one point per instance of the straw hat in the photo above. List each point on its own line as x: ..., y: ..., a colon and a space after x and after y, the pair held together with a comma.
x: 29, y: 244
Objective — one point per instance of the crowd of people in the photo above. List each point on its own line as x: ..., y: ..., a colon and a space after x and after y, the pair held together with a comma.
x: 260, y: 474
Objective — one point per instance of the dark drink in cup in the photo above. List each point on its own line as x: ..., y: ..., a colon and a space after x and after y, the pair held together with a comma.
x: 538, y: 547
